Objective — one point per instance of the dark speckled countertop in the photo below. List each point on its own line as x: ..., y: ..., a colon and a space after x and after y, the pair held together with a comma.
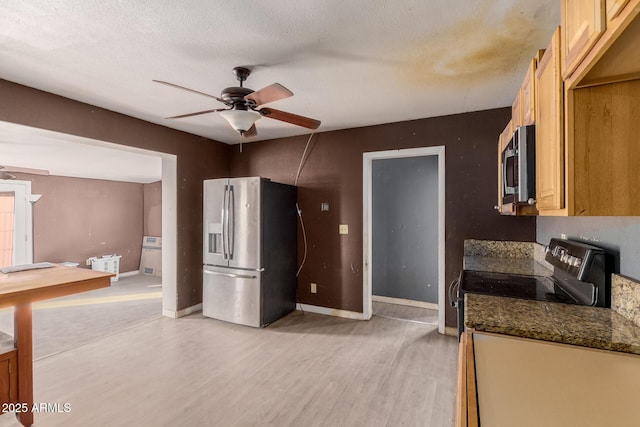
x: 594, y: 327
x: 505, y: 257
x: 527, y: 267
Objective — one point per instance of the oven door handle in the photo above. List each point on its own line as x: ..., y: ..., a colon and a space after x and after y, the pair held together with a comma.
x: 453, y: 292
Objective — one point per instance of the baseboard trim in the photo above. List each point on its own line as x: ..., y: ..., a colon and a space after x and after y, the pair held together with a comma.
x: 332, y: 312
x: 401, y: 301
x: 448, y: 330
x: 129, y: 273
x: 181, y: 313
x: 169, y: 313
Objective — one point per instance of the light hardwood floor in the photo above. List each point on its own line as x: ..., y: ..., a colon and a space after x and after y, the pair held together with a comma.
x: 304, y: 370
x: 64, y: 323
x: 404, y: 312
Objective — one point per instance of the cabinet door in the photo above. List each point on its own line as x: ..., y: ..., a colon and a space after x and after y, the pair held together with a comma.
x: 583, y: 22
x: 614, y: 7
x: 516, y: 111
x: 466, y: 400
x: 527, y: 96
x: 549, y: 129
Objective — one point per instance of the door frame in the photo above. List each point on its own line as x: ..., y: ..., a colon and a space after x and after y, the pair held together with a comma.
x: 23, y: 219
x: 367, y: 223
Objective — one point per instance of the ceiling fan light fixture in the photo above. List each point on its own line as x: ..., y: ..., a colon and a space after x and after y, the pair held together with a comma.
x: 241, y: 120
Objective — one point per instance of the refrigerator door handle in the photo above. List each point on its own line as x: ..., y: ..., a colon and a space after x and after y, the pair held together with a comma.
x: 235, y: 276
x: 231, y: 221
x: 225, y: 220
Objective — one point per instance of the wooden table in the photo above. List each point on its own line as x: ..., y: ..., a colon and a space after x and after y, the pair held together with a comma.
x: 19, y: 290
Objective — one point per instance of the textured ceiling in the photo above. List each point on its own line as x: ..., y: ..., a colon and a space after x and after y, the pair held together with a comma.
x: 349, y: 63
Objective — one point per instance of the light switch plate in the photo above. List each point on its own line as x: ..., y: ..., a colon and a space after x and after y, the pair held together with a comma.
x: 314, y: 288
x: 343, y: 229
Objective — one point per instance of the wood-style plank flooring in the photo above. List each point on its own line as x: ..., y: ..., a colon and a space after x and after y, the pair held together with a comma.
x: 404, y: 312
x: 304, y: 370
x: 64, y: 323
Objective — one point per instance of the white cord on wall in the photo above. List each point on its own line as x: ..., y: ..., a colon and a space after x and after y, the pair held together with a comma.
x: 304, y: 233
x: 302, y: 159
x: 304, y: 238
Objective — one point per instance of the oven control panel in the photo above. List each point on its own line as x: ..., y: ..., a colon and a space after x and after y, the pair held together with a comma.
x: 576, y: 258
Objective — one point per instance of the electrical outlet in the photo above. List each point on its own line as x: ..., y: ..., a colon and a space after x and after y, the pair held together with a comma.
x: 343, y: 229
x: 324, y: 206
x: 563, y: 236
x: 314, y: 288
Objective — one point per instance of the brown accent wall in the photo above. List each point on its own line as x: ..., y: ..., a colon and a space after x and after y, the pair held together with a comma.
x: 77, y: 218
x: 198, y: 158
x: 333, y: 173
x: 153, y: 209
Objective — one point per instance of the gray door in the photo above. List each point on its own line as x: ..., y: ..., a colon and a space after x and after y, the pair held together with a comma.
x: 244, y: 223
x: 215, y: 193
x: 405, y: 228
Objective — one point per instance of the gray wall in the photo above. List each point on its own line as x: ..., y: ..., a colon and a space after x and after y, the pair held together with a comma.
x: 616, y: 233
x: 405, y: 228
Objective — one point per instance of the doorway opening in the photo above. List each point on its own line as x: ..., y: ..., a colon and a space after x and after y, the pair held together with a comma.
x: 133, y: 298
x: 403, y: 235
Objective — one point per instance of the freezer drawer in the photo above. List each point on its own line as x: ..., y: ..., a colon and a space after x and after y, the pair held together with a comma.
x: 232, y: 295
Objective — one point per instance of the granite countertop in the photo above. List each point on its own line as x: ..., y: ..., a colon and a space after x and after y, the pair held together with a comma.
x: 616, y: 329
x: 593, y: 327
x: 525, y: 258
x: 527, y: 267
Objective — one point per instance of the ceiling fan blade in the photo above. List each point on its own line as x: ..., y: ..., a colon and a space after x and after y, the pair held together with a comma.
x: 270, y: 93
x: 197, y: 114
x: 251, y: 132
x: 190, y: 90
x: 294, y: 119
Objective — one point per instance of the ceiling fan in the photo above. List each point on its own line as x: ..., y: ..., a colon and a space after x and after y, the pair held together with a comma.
x: 243, y: 105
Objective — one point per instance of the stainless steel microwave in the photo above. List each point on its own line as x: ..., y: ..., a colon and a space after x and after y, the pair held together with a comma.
x: 519, y: 167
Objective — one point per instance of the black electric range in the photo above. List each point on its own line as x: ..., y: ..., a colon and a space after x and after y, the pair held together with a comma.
x: 581, y: 275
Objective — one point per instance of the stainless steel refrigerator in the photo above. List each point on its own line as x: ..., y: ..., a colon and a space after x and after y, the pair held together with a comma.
x: 249, y: 272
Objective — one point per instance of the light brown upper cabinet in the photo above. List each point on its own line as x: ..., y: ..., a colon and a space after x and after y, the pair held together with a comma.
x: 516, y: 111
x: 604, y: 148
x: 549, y: 108
x: 614, y: 7
x: 614, y: 55
x: 583, y: 22
x: 528, y: 96
x: 523, y: 107
x: 587, y: 123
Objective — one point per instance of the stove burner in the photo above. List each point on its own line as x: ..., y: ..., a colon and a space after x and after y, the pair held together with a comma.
x: 541, y: 288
